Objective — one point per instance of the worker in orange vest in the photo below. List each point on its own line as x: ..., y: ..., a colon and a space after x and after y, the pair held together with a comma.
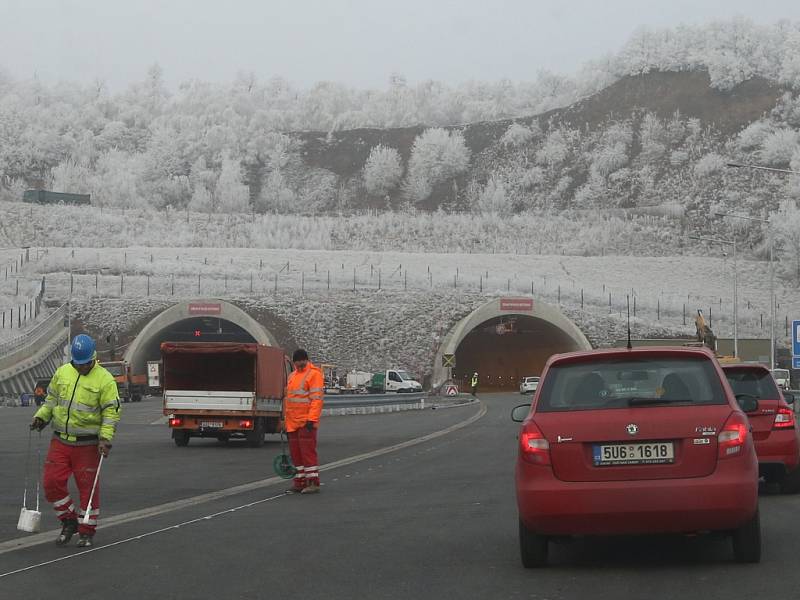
x: 302, y: 408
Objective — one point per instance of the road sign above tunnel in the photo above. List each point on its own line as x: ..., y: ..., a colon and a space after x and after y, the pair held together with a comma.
x: 205, y: 308
x: 516, y: 304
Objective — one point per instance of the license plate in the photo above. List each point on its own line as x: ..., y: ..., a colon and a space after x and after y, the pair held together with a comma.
x: 652, y: 453
x: 211, y: 424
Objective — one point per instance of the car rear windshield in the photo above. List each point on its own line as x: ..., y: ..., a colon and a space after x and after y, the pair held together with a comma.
x: 753, y: 382
x: 625, y: 383
x: 531, y: 379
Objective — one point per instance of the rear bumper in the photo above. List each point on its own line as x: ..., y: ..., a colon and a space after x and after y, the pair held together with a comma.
x: 719, y: 502
x: 782, y: 447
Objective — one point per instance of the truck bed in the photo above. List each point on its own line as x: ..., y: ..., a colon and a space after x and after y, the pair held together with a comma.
x: 196, y: 400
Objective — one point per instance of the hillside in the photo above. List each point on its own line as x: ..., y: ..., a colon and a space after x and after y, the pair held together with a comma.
x: 689, y: 94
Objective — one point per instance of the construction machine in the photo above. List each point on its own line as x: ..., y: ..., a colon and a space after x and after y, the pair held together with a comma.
x: 707, y: 338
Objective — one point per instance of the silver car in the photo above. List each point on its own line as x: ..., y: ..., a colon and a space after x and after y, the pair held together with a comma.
x: 528, y: 385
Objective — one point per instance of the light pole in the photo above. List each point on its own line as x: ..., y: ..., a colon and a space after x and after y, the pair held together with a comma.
x: 731, y: 242
x: 771, y: 250
x: 771, y: 280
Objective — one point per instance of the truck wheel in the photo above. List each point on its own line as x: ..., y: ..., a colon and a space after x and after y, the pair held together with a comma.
x: 533, y: 548
x: 255, y: 437
x: 791, y: 482
x: 747, y: 541
x: 181, y: 437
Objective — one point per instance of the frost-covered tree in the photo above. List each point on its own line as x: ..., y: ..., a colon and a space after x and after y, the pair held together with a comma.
x: 786, y: 224
x: 202, y: 200
x: 232, y: 195
x: 493, y: 200
x: 276, y: 196
x: 70, y: 177
x: 436, y: 156
x: 382, y: 171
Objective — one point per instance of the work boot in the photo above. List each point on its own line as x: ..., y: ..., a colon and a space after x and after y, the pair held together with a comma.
x: 69, y: 527
x: 311, y: 488
x: 85, y: 541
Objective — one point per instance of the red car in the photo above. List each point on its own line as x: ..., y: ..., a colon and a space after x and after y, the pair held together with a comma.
x: 641, y: 441
x: 774, y: 431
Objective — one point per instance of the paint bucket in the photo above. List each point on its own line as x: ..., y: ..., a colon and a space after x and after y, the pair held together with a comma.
x: 30, y: 521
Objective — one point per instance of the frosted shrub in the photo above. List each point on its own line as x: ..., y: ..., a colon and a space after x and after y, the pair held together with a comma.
x: 516, y: 136
x: 779, y: 147
x: 708, y: 165
x: 752, y: 137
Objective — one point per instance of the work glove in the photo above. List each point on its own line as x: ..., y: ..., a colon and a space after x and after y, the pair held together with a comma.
x: 38, y: 424
x: 104, y: 447
x: 310, y: 425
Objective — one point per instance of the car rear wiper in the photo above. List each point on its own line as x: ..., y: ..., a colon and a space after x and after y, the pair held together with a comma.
x: 647, y: 401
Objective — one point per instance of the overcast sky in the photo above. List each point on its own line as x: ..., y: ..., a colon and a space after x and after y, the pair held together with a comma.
x: 358, y: 42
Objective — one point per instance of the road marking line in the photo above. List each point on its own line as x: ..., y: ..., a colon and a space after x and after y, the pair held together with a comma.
x: 160, y: 509
x: 142, y: 536
x: 160, y: 421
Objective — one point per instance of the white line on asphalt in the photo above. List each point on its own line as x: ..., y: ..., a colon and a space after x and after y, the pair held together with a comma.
x: 160, y: 421
x: 48, y: 537
x: 143, y: 535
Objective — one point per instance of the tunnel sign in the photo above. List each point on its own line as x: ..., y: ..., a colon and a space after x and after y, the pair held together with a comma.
x: 448, y: 360
x: 516, y: 304
x: 204, y: 308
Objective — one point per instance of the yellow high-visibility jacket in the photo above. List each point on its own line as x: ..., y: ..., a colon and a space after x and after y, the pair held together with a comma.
x: 81, y: 405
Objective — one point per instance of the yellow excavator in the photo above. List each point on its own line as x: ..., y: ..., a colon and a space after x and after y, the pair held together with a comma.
x: 706, y: 337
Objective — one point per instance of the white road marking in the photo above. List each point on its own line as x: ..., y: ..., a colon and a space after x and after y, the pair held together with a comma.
x: 142, y: 536
x: 160, y: 509
x: 160, y: 421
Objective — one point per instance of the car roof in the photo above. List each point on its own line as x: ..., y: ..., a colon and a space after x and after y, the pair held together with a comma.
x: 641, y: 352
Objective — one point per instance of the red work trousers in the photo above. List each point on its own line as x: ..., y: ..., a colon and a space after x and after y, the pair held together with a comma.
x: 81, y: 462
x: 303, y: 450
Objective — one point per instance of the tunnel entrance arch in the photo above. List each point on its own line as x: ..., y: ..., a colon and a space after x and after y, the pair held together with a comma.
x: 503, y: 340
x: 196, y: 320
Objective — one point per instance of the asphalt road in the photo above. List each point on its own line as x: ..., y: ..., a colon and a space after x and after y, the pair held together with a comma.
x: 431, y: 520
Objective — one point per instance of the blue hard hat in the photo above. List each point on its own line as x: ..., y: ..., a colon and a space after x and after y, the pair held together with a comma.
x: 82, y: 349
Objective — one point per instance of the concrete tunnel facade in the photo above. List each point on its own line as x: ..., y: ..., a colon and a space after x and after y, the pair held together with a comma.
x: 238, y: 325
x: 504, y: 340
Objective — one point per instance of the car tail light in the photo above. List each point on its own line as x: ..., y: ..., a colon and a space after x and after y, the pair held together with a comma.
x: 784, y: 419
x: 733, y: 436
x: 175, y: 422
x: 246, y: 424
x: 534, y: 448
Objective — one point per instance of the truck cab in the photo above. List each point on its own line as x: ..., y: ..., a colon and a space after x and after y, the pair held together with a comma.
x: 394, y: 380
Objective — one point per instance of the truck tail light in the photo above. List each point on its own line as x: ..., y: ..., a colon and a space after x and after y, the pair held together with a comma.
x: 533, y: 446
x: 733, y: 436
x: 784, y: 419
x: 246, y: 424
x: 175, y: 422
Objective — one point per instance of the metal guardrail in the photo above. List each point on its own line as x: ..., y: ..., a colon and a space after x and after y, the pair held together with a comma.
x: 34, y: 334
x: 349, y: 401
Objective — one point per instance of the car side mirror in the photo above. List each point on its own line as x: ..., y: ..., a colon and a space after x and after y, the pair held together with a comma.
x: 789, y: 397
x: 747, y: 402
x: 519, y: 413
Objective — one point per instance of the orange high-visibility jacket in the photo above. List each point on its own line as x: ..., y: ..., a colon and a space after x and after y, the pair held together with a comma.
x: 303, y: 401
